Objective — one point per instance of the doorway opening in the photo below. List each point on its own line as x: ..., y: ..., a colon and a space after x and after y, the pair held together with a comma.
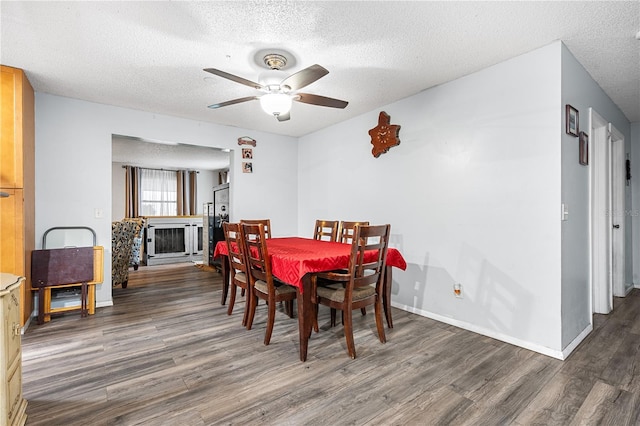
x: 608, y: 212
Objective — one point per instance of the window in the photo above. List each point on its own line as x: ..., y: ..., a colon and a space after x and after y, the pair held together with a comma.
x: 158, y: 194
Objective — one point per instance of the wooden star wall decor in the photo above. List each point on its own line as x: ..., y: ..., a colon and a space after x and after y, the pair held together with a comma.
x: 384, y: 136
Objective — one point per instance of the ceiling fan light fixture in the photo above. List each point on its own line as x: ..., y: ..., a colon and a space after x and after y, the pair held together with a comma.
x: 275, y: 103
x: 275, y: 61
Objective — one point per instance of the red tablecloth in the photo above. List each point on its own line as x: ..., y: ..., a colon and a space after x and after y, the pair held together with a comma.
x: 293, y: 257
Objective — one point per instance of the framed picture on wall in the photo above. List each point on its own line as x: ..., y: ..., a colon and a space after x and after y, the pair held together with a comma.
x: 247, y: 153
x: 572, y: 121
x: 247, y: 167
x: 584, y: 149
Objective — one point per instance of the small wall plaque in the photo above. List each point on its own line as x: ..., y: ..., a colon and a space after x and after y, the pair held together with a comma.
x: 246, y: 140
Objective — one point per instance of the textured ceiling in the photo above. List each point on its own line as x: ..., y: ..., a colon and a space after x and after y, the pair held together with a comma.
x: 150, y: 55
x: 163, y: 155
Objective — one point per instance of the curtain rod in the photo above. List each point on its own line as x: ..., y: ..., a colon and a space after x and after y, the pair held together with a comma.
x: 164, y: 170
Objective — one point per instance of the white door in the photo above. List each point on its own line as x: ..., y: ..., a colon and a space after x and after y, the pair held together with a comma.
x: 618, y: 177
x: 601, y: 213
x: 607, y: 159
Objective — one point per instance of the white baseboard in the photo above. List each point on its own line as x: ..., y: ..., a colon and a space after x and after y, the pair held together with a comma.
x: 28, y: 323
x: 574, y: 344
x: 34, y: 313
x: 494, y: 334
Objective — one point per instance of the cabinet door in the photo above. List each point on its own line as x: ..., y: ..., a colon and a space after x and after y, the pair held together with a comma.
x: 12, y: 252
x: 11, y: 128
x: 11, y: 311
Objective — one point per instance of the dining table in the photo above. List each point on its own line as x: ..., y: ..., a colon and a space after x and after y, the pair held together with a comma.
x: 294, y: 260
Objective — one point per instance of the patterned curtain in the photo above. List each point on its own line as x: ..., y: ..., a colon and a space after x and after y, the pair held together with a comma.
x: 132, y: 191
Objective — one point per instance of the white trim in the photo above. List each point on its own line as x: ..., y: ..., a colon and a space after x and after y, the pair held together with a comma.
x: 104, y: 304
x: 619, y: 214
x: 495, y: 335
x: 599, y: 154
x: 28, y: 323
x: 574, y: 344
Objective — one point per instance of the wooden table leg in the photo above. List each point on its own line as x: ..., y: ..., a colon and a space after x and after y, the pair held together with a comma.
x: 386, y: 301
x: 92, y: 299
x: 47, y: 304
x: 224, y: 261
x: 40, y: 306
x: 305, y: 312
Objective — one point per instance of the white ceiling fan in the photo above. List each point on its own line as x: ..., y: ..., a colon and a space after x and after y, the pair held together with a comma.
x: 277, y: 98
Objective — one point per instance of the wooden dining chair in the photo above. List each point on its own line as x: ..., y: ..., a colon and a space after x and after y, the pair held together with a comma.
x: 262, y: 284
x: 345, y: 231
x: 238, y: 277
x: 345, y: 235
x: 266, y: 223
x: 360, y: 286
x: 326, y: 230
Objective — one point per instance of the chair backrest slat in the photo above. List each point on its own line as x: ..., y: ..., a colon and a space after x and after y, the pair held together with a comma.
x: 366, y: 270
x: 233, y: 237
x: 266, y: 224
x: 255, y: 249
x: 326, y: 230
x: 345, y: 233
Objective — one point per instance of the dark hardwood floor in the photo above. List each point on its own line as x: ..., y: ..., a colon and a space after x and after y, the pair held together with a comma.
x: 167, y: 353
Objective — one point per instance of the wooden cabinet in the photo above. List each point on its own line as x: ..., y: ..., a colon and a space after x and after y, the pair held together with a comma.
x: 12, y: 405
x: 17, y: 180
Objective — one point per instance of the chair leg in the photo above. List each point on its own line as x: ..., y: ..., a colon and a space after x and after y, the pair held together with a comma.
x: 364, y: 311
x: 333, y: 317
x: 245, y: 315
x: 289, y: 304
x: 232, y: 298
x: 386, y: 300
x: 348, y: 332
x: 270, y: 320
x: 315, y: 318
x: 379, y: 321
x: 253, y: 302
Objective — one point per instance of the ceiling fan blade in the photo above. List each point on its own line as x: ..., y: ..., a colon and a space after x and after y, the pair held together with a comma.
x: 304, y: 77
x: 234, y: 78
x: 308, y: 98
x: 284, y: 117
x: 232, y: 102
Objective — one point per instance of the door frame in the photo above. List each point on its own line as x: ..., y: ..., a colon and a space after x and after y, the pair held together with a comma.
x: 601, y: 209
x: 618, y: 172
x: 608, y: 208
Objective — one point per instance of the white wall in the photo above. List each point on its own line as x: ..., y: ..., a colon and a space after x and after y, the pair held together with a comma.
x: 582, y: 92
x: 73, y: 167
x: 118, y: 178
x: 472, y: 194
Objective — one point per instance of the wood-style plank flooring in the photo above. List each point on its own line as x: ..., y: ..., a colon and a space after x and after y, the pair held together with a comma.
x: 167, y: 353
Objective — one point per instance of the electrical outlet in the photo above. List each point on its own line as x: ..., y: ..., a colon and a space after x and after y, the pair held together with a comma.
x: 98, y: 213
x: 457, y: 290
